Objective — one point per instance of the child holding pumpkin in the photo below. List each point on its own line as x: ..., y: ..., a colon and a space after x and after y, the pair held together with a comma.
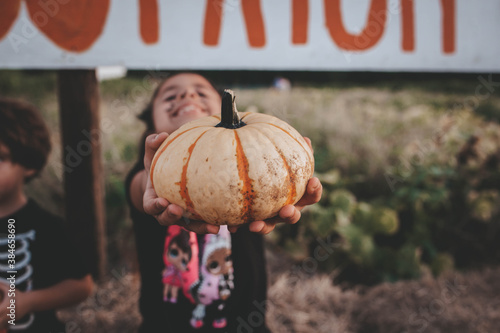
x: 40, y: 270
x: 179, y: 99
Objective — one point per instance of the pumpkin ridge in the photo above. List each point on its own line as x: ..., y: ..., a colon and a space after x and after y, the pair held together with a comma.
x: 284, y: 130
x: 292, y: 188
x: 183, y: 183
x: 292, y: 191
x: 247, y: 189
x: 158, y: 153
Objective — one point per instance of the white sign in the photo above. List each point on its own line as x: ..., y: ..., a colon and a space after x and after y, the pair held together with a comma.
x: 330, y: 35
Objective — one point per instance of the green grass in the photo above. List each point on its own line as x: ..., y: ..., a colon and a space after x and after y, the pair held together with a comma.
x: 33, y: 86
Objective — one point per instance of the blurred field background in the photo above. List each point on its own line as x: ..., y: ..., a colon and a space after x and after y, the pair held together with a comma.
x: 405, y: 238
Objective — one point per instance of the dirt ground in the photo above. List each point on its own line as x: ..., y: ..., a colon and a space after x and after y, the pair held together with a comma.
x: 455, y: 302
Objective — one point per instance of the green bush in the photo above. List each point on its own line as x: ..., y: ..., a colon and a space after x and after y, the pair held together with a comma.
x: 440, y: 215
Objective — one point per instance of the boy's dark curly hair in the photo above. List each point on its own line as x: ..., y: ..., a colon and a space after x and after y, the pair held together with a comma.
x: 24, y: 133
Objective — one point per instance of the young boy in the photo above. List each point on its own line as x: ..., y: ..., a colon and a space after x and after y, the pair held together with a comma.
x: 39, y: 269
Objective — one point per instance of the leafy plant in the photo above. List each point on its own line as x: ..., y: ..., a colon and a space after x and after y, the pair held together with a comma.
x: 440, y: 216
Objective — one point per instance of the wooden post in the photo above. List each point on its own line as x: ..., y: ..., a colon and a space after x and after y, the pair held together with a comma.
x: 83, y: 176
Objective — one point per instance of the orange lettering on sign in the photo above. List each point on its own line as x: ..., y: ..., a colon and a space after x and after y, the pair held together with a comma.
x: 76, y: 25
x: 371, y: 34
x: 300, y: 20
x: 408, y: 25
x: 213, y: 17
x: 254, y: 23
x: 72, y: 25
x: 252, y: 14
x: 8, y: 14
x: 448, y: 25
x: 148, y: 20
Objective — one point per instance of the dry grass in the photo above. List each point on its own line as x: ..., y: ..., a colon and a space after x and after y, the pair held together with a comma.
x: 113, y: 307
x: 453, y: 303
x: 301, y: 304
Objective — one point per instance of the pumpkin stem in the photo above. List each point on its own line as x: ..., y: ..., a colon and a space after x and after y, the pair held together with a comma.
x: 229, y: 115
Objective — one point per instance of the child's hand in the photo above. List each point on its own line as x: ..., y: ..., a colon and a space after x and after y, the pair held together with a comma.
x: 163, y: 211
x: 4, y: 303
x: 22, y: 305
x: 289, y: 214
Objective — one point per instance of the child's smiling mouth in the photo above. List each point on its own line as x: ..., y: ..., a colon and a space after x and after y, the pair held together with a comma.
x: 187, y: 108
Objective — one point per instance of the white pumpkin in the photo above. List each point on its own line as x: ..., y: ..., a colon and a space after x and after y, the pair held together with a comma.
x: 232, y: 171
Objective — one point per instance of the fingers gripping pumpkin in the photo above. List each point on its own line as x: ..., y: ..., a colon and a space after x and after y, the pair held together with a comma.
x: 232, y: 170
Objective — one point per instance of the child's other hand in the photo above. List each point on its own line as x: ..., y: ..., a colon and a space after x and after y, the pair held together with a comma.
x: 289, y: 214
x: 161, y: 209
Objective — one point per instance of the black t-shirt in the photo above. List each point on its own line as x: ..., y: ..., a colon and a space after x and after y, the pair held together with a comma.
x: 44, y: 256
x: 246, y: 305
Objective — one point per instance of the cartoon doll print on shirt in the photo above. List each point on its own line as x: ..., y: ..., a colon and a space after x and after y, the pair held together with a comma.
x: 181, y: 263
x: 215, y: 278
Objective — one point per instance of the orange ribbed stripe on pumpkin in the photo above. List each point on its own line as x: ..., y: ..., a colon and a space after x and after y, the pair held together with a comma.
x: 183, y: 183
x: 158, y: 154
x: 246, y: 191
x: 284, y: 130
x: 292, y: 191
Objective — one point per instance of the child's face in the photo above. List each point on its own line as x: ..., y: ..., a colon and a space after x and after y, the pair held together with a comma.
x: 12, y: 176
x: 183, y: 98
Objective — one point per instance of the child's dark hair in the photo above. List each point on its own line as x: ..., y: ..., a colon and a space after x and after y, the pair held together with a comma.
x: 24, y: 133
x: 147, y: 113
